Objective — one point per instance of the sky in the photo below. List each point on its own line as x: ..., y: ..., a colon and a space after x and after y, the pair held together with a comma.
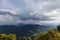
x: 29, y: 11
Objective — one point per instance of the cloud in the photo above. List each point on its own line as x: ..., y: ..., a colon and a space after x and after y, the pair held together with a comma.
x: 30, y: 11
x: 7, y: 18
x: 5, y: 5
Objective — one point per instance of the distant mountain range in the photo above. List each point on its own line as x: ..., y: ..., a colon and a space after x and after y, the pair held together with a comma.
x: 23, y: 30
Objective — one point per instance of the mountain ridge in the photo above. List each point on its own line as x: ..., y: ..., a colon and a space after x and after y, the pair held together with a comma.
x: 23, y: 30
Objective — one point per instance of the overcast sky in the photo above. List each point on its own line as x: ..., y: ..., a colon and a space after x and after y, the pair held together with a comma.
x: 30, y: 11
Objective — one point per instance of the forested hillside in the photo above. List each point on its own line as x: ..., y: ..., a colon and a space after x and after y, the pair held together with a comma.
x: 52, y: 34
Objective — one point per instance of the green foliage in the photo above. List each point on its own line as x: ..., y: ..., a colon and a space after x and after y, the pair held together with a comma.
x: 7, y: 37
x: 25, y: 38
x: 50, y: 35
x: 58, y: 28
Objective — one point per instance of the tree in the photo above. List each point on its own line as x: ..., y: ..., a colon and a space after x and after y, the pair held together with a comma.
x: 58, y: 28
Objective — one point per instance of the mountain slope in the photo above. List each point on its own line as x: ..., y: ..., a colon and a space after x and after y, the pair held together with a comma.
x: 24, y: 30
